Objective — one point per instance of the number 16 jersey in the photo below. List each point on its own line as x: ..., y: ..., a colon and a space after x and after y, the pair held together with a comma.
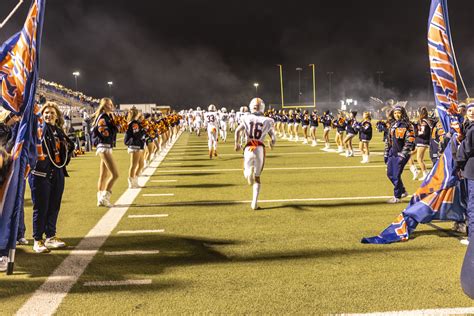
x: 257, y: 126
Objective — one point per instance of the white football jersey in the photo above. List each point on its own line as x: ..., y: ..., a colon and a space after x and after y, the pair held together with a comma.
x: 256, y: 126
x: 198, y: 115
x: 224, y: 117
x: 211, y: 118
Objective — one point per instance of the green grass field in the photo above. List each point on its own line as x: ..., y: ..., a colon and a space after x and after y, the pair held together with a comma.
x: 290, y: 257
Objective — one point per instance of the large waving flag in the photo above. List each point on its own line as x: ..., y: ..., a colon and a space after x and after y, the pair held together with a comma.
x: 441, y: 193
x: 19, y: 63
x: 442, y: 64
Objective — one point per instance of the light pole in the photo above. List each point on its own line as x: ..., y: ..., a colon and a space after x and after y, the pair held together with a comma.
x: 256, y: 88
x: 299, y: 69
x: 110, y: 83
x: 76, y: 74
x: 379, y: 73
x: 330, y: 73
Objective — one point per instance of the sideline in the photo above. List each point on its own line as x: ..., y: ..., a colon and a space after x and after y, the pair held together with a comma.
x: 46, y: 300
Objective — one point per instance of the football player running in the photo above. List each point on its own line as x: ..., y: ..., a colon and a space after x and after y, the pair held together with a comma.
x: 256, y: 127
x: 223, y: 118
x: 211, y: 120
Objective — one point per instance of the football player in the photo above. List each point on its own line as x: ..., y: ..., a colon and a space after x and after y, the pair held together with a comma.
x: 211, y: 120
x: 223, y: 118
x: 256, y: 127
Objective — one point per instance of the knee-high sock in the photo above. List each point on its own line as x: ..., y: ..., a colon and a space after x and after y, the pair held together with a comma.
x: 256, y: 191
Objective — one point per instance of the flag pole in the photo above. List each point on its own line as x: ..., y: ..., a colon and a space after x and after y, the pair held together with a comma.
x: 11, y: 14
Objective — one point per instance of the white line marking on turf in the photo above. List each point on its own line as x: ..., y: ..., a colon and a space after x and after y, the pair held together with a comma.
x: 438, y: 311
x: 159, y: 194
x: 143, y: 231
x: 53, y: 291
x: 163, y: 181
x: 131, y: 252
x: 118, y: 283
x: 148, y: 216
x: 351, y: 198
x: 285, y: 168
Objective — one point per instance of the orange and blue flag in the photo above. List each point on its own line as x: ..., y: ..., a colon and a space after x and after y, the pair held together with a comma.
x: 440, y: 197
x: 442, y: 62
x: 19, y: 65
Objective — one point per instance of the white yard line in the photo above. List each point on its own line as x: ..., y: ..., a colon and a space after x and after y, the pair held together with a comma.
x: 163, y: 181
x: 159, y: 194
x: 142, y: 231
x: 350, y: 198
x: 131, y: 253
x: 148, y: 216
x: 118, y: 283
x: 275, y: 169
x: 46, y: 300
x: 276, y: 153
x: 438, y: 311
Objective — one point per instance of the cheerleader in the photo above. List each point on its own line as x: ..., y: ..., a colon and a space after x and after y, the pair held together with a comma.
x: 305, y: 125
x: 400, y: 143
x: 365, y: 136
x: 340, y: 124
x: 278, y: 123
x: 135, y: 142
x: 326, y: 120
x: 351, y: 131
x: 296, y: 124
x: 422, y: 140
x: 291, y: 123
x: 313, y: 125
x: 284, y: 123
x: 104, y: 132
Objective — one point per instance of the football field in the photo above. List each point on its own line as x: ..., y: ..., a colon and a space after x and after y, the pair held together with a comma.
x: 188, y: 242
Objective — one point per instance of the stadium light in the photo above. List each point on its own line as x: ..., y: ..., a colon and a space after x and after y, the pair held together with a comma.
x: 256, y: 88
x: 110, y: 83
x: 76, y: 74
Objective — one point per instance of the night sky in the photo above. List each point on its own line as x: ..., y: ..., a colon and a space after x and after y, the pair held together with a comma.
x: 188, y: 53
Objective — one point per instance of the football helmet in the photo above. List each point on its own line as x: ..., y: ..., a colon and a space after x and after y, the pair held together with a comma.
x: 256, y: 105
x: 212, y: 108
x: 198, y: 109
x: 224, y: 110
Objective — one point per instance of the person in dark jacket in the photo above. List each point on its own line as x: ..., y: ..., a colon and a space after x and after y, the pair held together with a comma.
x: 400, y: 143
x: 465, y: 166
x: 47, y: 179
x: 135, y: 142
x: 8, y: 121
x: 104, y: 132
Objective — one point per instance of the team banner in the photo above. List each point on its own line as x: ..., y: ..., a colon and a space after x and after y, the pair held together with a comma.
x: 442, y: 64
x: 19, y: 63
x: 440, y: 197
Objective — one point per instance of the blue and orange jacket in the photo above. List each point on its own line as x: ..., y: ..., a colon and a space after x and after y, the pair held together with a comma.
x: 104, y: 132
x: 401, y: 139
x: 365, y: 130
x: 135, y: 136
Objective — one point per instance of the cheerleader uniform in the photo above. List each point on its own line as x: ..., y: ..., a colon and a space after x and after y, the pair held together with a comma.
x: 365, y: 131
x: 424, y: 134
x: 135, y: 137
x: 104, y: 133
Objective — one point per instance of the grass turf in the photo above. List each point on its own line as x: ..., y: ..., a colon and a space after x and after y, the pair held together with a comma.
x: 289, y: 257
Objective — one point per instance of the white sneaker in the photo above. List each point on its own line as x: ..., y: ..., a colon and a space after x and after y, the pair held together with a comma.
x: 3, y: 263
x: 404, y: 194
x: 291, y: 138
x: 394, y: 200
x: 131, y: 183
x: 340, y: 149
x: 135, y: 183
x: 459, y: 227
x: 351, y: 154
x: 54, y: 242
x: 305, y: 141
x: 423, y: 177
x: 464, y: 242
x: 106, y: 199
x: 99, y: 198
x: 39, y: 247
x: 297, y: 139
x: 314, y: 143
x: 22, y: 241
x: 414, y: 171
